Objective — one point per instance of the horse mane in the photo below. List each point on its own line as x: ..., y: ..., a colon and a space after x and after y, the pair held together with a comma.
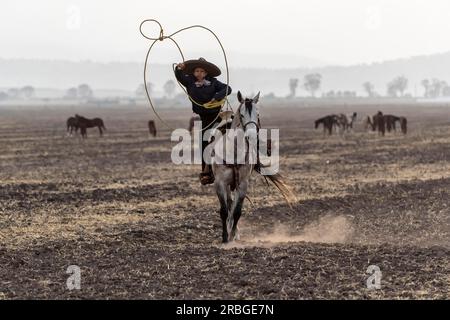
x: 237, y: 118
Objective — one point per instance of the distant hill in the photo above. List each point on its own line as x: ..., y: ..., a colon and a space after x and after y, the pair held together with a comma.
x: 125, y: 77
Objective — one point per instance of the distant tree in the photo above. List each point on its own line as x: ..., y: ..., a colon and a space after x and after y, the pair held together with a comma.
x: 426, y: 84
x: 436, y: 88
x: 349, y: 94
x: 397, y: 85
x: 85, y: 91
x: 140, y: 91
x: 71, y: 93
x: 270, y: 96
x: 293, y: 84
x: 401, y: 83
x: 330, y: 94
x: 27, y: 92
x: 169, y: 88
x: 369, y: 88
x: 391, y: 89
x: 446, y: 91
x: 13, y: 93
x: 312, y: 82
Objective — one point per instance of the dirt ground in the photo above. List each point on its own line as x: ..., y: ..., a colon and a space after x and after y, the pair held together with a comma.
x: 140, y: 227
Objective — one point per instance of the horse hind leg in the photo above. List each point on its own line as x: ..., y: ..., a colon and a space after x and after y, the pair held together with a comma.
x: 240, y: 193
x: 222, y: 195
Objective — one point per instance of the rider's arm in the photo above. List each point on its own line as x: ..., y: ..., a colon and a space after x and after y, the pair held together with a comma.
x: 184, y: 79
x: 221, y: 90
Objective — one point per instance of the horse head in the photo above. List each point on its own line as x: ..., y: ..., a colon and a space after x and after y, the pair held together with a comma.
x: 247, y: 115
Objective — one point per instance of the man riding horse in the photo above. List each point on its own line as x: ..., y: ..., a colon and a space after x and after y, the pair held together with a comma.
x: 199, y: 78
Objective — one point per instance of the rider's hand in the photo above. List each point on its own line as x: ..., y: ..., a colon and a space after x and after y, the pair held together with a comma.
x: 181, y: 66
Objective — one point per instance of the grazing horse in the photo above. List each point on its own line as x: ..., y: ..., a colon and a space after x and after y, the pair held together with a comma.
x: 84, y: 123
x: 341, y: 122
x: 152, y: 128
x: 368, y: 125
x: 404, y: 125
x: 345, y: 121
x: 327, y: 122
x: 234, y: 177
x: 379, y: 123
x: 391, y: 121
x: 191, y: 123
x: 72, y: 125
x: 386, y: 122
x: 351, y: 118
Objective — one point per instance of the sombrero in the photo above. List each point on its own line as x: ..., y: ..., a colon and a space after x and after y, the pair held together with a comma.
x: 210, y: 68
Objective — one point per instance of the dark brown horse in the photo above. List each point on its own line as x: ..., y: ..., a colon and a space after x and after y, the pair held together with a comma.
x: 72, y: 125
x: 379, y: 123
x: 404, y: 125
x: 386, y: 122
x: 84, y: 123
x: 327, y: 122
x: 391, y: 121
x: 152, y: 128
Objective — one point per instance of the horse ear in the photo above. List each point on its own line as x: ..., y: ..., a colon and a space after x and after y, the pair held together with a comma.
x: 256, y: 98
x: 239, y: 96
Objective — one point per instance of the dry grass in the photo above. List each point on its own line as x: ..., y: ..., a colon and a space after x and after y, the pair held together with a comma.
x: 140, y: 227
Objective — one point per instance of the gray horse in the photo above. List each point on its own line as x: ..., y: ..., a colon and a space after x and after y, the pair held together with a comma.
x: 233, y: 177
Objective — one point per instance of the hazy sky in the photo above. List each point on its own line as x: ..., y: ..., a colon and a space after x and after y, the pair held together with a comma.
x: 328, y: 31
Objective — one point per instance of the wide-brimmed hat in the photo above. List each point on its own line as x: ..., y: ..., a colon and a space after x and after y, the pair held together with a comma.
x: 210, y: 68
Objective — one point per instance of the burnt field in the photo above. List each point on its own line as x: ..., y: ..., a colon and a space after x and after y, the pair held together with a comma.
x: 140, y: 227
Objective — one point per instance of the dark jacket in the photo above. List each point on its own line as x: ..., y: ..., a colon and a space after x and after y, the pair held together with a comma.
x: 203, y: 94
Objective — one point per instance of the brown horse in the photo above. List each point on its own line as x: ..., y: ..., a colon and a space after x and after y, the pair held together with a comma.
x: 84, y: 123
x: 404, y: 125
x: 152, y: 128
x: 391, y: 121
x: 327, y: 122
x: 72, y: 125
x: 379, y: 123
x: 386, y: 122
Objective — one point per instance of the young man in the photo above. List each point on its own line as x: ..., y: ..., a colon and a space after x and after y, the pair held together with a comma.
x: 199, y: 78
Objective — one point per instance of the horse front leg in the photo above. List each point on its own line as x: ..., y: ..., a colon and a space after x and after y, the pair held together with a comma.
x: 101, y: 131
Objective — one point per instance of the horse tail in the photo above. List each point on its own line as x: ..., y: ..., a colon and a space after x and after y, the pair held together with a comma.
x: 283, y: 187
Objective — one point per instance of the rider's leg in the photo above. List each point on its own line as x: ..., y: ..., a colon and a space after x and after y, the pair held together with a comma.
x: 206, y: 175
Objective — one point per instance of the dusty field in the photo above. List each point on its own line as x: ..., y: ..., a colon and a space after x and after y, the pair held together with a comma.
x: 140, y: 227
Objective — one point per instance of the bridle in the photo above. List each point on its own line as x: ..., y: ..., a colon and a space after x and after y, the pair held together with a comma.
x: 244, y: 126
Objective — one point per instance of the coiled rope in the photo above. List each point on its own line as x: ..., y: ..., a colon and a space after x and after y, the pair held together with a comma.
x: 162, y: 37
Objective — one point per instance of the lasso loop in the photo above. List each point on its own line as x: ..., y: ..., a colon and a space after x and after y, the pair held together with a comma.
x: 162, y: 38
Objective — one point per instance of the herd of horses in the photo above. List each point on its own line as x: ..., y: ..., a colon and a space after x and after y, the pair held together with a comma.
x: 340, y: 122
x: 81, y: 123
x: 379, y: 122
